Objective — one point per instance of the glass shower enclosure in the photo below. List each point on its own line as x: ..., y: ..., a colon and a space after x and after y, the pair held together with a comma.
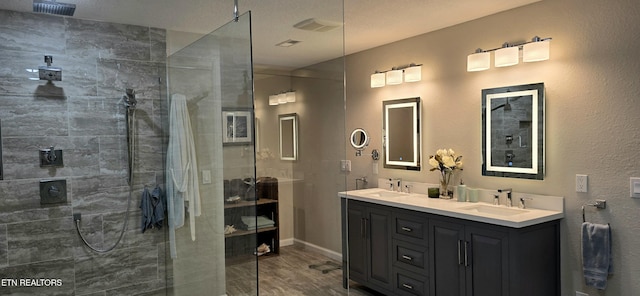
x: 210, y: 82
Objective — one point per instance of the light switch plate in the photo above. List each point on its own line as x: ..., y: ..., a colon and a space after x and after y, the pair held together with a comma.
x: 206, y: 177
x: 345, y: 165
x: 634, y: 187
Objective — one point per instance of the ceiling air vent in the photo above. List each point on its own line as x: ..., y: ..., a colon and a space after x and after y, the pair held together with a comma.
x: 317, y: 25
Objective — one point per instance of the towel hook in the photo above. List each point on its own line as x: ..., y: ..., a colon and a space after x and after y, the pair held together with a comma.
x: 599, y: 204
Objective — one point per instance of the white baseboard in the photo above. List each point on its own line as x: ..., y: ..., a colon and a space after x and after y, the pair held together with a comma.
x: 324, y: 251
x: 286, y: 242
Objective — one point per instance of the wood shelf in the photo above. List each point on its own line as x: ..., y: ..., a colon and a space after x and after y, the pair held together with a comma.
x: 245, y: 203
x: 242, y: 243
x: 248, y: 232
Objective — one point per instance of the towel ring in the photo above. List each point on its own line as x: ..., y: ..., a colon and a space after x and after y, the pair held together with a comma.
x: 600, y: 204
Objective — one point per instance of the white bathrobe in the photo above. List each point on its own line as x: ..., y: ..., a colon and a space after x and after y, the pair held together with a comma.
x: 181, y: 171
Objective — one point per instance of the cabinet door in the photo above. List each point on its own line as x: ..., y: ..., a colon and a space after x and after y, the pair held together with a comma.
x: 380, y: 255
x: 356, y: 241
x: 447, y: 254
x: 487, y: 273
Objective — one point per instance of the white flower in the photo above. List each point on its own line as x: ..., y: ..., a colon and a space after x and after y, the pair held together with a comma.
x: 448, y: 161
x: 434, y: 163
x: 445, y: 160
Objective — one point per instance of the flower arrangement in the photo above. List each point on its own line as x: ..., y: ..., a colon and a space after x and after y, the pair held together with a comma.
x: 445, y: 161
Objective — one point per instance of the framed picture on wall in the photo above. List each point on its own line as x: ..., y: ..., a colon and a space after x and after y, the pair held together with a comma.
x: 237, y: 127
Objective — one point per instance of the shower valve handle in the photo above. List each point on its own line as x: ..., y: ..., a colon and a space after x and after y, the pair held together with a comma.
x: 51, y: 156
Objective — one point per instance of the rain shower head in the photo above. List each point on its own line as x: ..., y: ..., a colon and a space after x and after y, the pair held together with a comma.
x: 53, y: 7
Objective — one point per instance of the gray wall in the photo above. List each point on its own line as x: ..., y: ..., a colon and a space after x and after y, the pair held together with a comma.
x: 83, y: 116
x: 592, y: 112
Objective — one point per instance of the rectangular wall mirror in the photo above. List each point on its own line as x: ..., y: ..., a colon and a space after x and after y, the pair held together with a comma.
x: 513, y: 131
x: 288, y: 136
x: 401, y: 132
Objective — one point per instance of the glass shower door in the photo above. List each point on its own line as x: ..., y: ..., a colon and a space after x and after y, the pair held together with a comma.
x: 210, y: 99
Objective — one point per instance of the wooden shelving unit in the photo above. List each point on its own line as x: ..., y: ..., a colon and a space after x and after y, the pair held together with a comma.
x: 243, y: 242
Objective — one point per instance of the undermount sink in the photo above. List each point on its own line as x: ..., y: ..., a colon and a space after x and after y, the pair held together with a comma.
x: 387, y: 194
x: 500, y: 211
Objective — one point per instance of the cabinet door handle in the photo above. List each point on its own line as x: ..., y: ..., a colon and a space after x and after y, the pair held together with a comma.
x: 466, y: 253
x: 408, y: 258
x: 459, y: 251
x: 407, y: 229
x: 410, y: 287
x: 366, y: 221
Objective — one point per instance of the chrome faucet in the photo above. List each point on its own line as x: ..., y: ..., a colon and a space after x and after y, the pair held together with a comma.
x: 522, y: 203
x: 364, y: 181
x: 395, y: 184
x: 496, y: 199
x: 508, y: 191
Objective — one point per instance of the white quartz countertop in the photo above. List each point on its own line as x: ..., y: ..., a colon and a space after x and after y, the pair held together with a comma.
x: 480, y: 211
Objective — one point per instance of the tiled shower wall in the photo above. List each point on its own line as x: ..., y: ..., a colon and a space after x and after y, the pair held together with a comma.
x: 83, y: 115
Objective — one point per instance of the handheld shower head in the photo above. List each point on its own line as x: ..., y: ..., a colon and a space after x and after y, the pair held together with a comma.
x: 130, y: 99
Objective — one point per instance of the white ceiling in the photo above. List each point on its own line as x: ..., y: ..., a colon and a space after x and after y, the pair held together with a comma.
x: 368, y: 23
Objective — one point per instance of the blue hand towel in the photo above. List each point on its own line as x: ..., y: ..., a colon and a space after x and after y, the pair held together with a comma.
x: 596, y: 254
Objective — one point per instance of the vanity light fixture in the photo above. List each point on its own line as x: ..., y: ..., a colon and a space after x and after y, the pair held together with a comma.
x: 273, y: 100
x: 394, y: 76
x: 536, y: 50
x: 413, y: 73
x: 478, y: 61
x: 290, y: 96
x: 378, y: 79
x: 397, y: 75
x: 282, y: 98
x: 509, y: 54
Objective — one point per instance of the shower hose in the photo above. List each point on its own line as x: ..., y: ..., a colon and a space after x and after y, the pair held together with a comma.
x: 131, y: 115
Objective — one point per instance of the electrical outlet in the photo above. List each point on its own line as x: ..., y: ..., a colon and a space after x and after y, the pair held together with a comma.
x: 581, y: 294
x: 581, y: 183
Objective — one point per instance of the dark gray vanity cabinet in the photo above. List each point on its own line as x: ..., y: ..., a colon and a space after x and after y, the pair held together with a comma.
x: 397, y: 251
x: 368, y: 244
x: 468, y: 260
x: 410, y: 252
x: 472, y: 258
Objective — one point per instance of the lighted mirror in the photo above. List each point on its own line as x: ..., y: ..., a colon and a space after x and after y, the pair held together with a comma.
x: 359, y: 139
x: 401, y: 124
x: 513, y: 131
x: 288, y: 136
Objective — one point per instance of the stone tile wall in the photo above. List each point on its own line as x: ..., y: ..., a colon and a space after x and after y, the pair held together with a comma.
x: 83, y: 115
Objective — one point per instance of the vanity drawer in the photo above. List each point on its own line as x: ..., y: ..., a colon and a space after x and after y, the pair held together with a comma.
x: 410, y: 256
x: 410, y: 284
x: 411, y: 227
